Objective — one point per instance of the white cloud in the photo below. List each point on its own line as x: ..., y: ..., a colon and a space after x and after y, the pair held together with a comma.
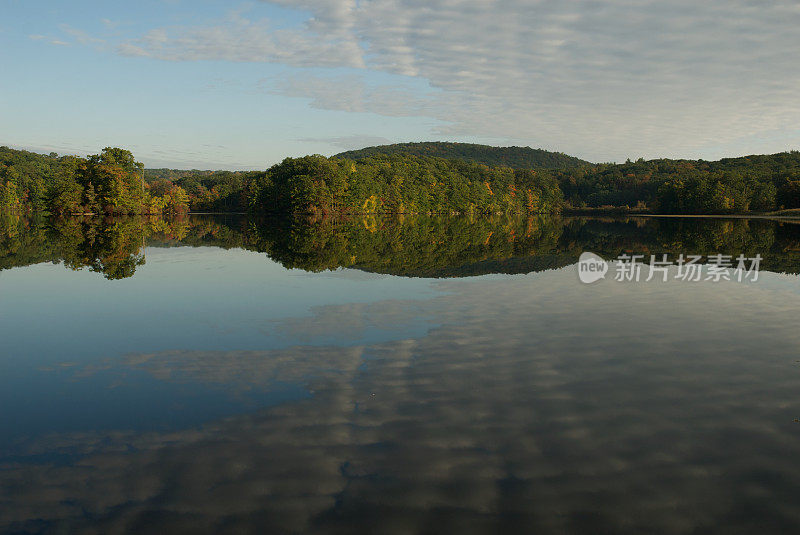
x: 352, y: 93
x: 242, y: 40
x: 80, y: 36
x: 604, y: 80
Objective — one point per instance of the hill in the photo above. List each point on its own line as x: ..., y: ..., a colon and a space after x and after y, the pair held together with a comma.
x: 755, y: 183
x: 404, y: 177
x: 400, y: 184
x: 514, y: 157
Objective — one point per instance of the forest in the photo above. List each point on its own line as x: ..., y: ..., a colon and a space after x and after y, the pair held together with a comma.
x: 750, y: 184
x: 208, y: 191
x: 514, y: 157
x: 401, y: 184
x: 415, y: 178
x: 109, y: 183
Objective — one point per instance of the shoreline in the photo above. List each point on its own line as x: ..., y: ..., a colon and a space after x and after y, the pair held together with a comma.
x: 720, y: 216
x: 565, y: 213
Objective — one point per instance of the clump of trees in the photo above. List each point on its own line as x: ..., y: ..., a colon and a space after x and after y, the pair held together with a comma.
x: 25, y: 178
x: 10, y: 201
x: 400, y: 184
x: 732, y: 185
x: 718, y: 192
x: 209, y: 191
x: 108, y: 183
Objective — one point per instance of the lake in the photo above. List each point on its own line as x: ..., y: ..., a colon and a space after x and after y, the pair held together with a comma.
x: 417, y: 375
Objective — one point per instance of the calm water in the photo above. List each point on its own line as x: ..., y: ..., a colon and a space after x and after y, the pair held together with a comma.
x: 423, y: 376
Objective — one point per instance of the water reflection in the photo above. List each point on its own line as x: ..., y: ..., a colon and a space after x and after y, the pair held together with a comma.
x: 415, y: 246
x: 520, y: 412
x: 528, y: 404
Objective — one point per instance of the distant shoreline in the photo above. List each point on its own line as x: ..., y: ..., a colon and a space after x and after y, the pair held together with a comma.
x: 611, y: 212
x: 567, y: 213
x: 719, y: 216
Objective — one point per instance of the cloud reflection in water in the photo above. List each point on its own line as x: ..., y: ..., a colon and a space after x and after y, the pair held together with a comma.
x: 536, y: 404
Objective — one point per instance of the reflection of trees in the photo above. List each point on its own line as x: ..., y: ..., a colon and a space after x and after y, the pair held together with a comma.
x: 111, y: 246
x: 461, y: 246
x: 415, y: 246
x: 23, y: 242
x: 611, y: 237
x: 674, y: 236
x: 408, y: 246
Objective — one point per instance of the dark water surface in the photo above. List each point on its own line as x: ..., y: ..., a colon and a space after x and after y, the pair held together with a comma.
x: 222, y: 375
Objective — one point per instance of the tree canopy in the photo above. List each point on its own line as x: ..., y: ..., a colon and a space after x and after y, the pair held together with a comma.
x: 391, y: 179
x: 401, y: 183
x: 514, y: 157
x: 107, y: 183
x: 732, y: 185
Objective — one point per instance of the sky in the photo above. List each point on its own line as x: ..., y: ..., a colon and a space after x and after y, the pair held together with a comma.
x: 241, y: 85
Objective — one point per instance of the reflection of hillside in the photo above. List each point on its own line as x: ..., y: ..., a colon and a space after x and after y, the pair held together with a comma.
x: 460, y: 246
x: 421, y: 247
x: 499, y: 420
x: 675, y: 236
x: 416, y: 246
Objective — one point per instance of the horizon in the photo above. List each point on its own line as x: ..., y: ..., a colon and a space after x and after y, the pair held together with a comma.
x: 85, y: 154
x: 212, y: 85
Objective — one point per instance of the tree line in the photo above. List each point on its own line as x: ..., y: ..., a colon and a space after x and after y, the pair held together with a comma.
x: 763, y: 183
x: 460, y: 179
x: 400, y: 184
x: 413, y: 182
x: 110, y: 183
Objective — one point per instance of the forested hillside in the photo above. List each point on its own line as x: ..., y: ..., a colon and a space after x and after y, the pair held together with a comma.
x: 732, y: 185
x: 758, y: 183
x: 112, y: 183
x: 514, y: 157
x: 401, y: 183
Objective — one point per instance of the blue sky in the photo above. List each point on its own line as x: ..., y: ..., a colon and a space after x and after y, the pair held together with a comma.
x: 241, y: 85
